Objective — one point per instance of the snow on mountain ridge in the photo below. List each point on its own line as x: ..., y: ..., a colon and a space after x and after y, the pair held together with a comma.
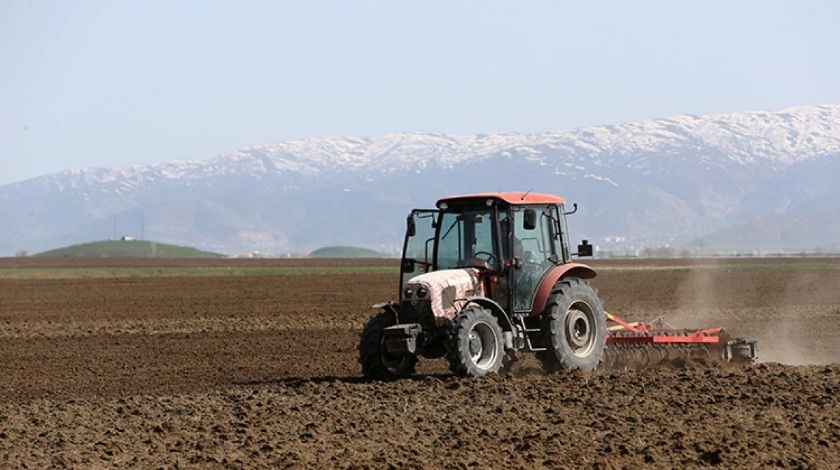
x: 781, y: 137
x: 778, y: 138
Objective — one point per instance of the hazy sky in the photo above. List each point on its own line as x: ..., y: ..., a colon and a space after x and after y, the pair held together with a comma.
x: 114, y: 83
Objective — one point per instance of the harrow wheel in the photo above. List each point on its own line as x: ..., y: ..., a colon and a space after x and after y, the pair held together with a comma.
x: 377, y: 363
x: 574, y: 327
x: 476, y: 345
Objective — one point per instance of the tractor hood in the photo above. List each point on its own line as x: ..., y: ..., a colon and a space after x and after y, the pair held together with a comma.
x: 441, y: 288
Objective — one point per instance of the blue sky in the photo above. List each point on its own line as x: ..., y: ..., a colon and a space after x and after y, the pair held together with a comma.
x: 115, y: 83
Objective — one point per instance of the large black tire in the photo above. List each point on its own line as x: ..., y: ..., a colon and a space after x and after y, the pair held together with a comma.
x: 574, y: 327
x: 376, y: 363
x: 476, y: 345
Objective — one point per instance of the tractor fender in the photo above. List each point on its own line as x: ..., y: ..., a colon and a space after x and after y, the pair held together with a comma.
x: 389, y: 306
x: 495, y: 309
x: 552, y: 276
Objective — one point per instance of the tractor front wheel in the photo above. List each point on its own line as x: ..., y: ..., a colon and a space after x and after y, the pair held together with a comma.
x: 377, y: 363
x: 574, y: 327
x: 476, y: 345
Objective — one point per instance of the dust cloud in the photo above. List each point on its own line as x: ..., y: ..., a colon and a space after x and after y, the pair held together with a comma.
x: 779, y: 307
x: 792, y: 337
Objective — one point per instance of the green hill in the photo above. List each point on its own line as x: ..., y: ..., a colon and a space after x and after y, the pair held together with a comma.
x: 127, y: 249
x: 346, y: 252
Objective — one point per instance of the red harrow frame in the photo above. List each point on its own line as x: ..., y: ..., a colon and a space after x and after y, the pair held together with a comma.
x: 638, y: 344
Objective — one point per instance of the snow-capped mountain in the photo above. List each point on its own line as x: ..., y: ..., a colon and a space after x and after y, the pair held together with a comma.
x: 746, y: 181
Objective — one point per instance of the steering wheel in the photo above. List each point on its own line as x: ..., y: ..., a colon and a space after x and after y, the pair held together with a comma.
x: 490, y: 256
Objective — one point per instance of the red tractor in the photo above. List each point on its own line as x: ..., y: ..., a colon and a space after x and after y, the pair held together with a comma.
x: 485, y: 277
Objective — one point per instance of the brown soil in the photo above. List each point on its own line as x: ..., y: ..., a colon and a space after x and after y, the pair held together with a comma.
x: 261, y: 371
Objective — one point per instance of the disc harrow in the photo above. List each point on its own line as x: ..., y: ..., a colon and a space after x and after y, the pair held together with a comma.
x: 639, y: 345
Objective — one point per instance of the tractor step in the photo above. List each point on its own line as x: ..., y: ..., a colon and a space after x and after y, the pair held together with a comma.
x: 524, y: 337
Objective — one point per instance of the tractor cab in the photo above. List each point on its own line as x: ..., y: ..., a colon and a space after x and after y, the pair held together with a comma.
x: 510, y: 239
x: 483, y: 277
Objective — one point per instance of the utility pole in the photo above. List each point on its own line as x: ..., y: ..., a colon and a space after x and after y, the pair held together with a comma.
x: 142, y: 227
x: 115, y: 229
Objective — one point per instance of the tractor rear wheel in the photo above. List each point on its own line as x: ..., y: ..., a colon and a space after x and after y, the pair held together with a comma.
x: 476, y: 345
x: 574, y: 327
x: 377, y: 363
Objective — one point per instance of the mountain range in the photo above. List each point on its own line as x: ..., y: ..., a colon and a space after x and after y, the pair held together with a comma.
x: 745, y: 181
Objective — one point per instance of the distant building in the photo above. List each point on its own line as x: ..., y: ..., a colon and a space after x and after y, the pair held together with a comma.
x: 127, y: 238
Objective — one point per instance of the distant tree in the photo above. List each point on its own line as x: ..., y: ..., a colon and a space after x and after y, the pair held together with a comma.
x: 667, y: 252
x: 22, y: 254
x: 659, y: 252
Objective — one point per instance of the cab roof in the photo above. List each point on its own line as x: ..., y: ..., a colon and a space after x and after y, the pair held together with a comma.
x: 508, y: 197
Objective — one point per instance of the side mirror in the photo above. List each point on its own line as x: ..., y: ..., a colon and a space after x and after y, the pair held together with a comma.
x: 530, y: 222
x: 584, y: 249
x: 411, y: 227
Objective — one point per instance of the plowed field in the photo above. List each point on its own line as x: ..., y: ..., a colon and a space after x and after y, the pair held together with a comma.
x: 229, y: 363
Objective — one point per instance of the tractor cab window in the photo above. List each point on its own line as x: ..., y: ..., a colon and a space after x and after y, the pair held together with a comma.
x: 465, y: 237
x: 539, y: 253
x: 419, y: 248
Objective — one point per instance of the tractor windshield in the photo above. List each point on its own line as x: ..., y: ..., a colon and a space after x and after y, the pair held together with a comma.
x: 465, y: 236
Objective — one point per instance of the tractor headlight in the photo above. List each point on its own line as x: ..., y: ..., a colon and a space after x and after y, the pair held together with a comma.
x: 422, y: 293
x: 408, y: 292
